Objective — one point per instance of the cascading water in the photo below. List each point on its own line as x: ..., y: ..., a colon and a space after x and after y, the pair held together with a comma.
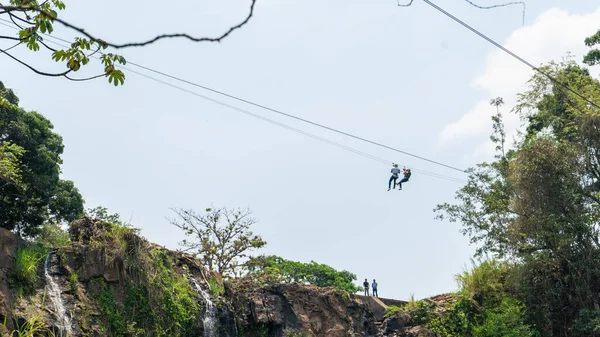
x: 54, y: 294
x: 210, y: 314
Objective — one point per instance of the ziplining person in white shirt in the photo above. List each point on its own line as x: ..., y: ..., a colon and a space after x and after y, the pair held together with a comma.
x: 394, y: 177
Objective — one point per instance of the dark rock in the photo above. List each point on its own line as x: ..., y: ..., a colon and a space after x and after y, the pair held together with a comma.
x: 306, y: 309
x: 396, y: 323
x: 85, y: 229
x: 9, y: 243
x: 93, y: 263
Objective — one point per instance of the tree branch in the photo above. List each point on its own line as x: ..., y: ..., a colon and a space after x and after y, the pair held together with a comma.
x: 45, y: 45
x: 12, y: 16
x: 33, y: 69
x: 8, y: 9
x: 7, y: 49
x: 500, y: 5
x: 84, y: 79
x: 4, y: 37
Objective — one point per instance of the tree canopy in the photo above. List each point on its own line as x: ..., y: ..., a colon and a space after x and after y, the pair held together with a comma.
x: 538, y: 204
x: 280, y: 270
x: 31, y: 191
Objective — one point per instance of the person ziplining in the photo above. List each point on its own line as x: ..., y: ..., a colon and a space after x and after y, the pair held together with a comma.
x: 395, y: 172
x: 407, y: 175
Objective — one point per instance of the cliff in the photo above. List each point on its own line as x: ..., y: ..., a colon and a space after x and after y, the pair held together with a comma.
x: 111, y: 282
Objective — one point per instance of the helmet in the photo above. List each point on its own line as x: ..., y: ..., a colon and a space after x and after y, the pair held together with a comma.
x: 395, y: 165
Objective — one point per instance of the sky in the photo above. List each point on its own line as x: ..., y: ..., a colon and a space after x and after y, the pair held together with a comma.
x: 409, y: 78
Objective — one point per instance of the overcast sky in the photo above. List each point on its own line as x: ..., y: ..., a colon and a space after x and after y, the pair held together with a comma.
x: 407, y: 77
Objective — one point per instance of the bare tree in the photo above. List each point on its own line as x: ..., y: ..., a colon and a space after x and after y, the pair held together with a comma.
x: 221, y: 237
x: 499, y: 135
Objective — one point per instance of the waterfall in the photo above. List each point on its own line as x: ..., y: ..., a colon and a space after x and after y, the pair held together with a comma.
x: 210, y: 314
x: 54, y: 294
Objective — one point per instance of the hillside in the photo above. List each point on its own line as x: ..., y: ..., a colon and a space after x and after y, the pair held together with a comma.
x: 110, y: 282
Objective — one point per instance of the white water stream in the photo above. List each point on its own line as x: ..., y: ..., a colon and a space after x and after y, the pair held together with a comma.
x: 210, y: 315
x: 54, y: 294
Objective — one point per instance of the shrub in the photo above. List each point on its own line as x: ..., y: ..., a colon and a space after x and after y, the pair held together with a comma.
x: 392, y: 310
x: 504, y: 321
x: 215, y: 288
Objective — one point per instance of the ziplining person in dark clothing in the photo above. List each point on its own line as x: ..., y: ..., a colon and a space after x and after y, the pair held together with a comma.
x: 407, y: 175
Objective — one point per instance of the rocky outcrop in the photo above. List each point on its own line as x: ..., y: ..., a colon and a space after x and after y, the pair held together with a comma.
x: 321, y: 312
x: 8, y: 249
x: 101, y: 284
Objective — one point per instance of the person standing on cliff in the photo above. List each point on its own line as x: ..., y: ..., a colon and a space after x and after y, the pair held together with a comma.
x: 366, y: 285
x: 374, y: 285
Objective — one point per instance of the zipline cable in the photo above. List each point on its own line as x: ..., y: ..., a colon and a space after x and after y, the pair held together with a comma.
x: 350, y: 149
x: 280, y: 112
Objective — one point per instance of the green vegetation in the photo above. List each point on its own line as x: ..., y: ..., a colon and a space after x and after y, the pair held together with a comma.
x: 38, y: 18
x: 593, y: 56
x: 34, y: 326
x: 274, y: 269
x: 52, y: 235
x: 537, y: 204
x: 484, y: 307
x: 158, y: 300
x: 25, y: 274
x: 30, y: 159
x: 293, y: 333
x: 10, y: 156
x: 392, y: 310
x: 215, y: 288
x: 74, y: 281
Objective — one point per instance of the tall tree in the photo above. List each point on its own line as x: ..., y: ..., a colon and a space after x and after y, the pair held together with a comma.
x: 538, y: 205
x: 221, y: 237
x: 40, y: 194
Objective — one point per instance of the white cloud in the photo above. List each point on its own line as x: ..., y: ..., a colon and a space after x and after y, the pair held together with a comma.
x: 554, y: 33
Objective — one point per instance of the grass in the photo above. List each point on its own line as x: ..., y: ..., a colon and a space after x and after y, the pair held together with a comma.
x: 74, y: 281
x: 214, y: 288
x: 25, y: 274
x: 34, y: 326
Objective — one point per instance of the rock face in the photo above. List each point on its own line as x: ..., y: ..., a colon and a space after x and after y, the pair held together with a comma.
x: 287, y: 309
x: 8, y: 249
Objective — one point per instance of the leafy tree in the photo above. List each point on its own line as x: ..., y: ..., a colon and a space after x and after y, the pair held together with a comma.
x: 101, y: 213
x: 285, y: 271
x: 52, y: 235
x: 539, y: 204
x: 222, y: 237
x: 10, y: 155
x: 40, y: 195
x: 34, y: 20
x: 592, y: 58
